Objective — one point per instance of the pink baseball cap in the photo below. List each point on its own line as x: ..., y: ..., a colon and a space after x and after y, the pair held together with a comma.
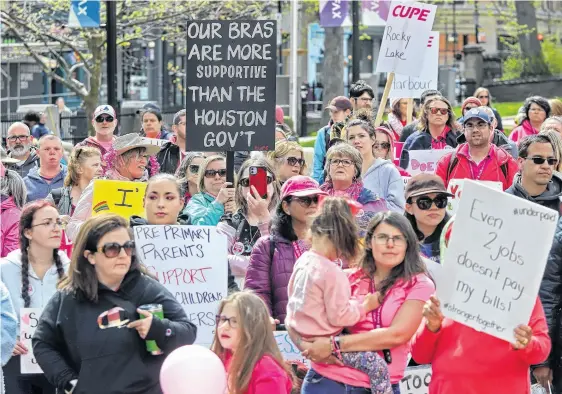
x: 301, y: 186
x: 279, y: 115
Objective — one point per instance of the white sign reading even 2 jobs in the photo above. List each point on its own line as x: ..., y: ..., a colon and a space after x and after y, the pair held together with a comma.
x: 495, y: 260
x: 191, y: 262
x: 405, y: 38
x: 404, y: 86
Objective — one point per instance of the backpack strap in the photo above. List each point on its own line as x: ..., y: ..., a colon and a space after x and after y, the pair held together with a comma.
x: 504, y: 169
x: 271, y: 247
x: 452, y: 164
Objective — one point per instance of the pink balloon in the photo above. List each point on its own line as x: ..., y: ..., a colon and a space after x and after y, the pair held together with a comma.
x: 193, y: 369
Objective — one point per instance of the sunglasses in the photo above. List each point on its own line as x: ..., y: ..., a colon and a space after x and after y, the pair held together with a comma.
x: 382, y: 145
x: 481, y: 97
x: 193, y: 168
x: 293, y: 161
x: 245, y: 182
x: 442, y: 111
x: 213, y: 173
x: 424, y: 203
x: 467, y: 108
x: 101, y: 119
x: 113, y: 249
x: 540, y: 160
x: 306, y: 201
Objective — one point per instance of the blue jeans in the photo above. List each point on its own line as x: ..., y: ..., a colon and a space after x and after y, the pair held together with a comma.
x: 314, y: 383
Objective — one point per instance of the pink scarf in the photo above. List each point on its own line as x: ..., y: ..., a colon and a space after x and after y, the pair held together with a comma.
x: 352, y: 192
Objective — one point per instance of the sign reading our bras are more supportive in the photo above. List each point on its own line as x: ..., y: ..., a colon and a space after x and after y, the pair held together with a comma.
x: 29, y: 319
x: 495, y: 260
x: 120, y: 197
x: 191, y: 262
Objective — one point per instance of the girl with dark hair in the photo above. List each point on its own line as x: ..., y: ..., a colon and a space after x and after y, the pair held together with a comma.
x: 245, y: 343
x: 273, y: 256
x: 90, y: 338
x: 320, y: 302
x: 251, y: 220
x: 31, y: 274
x: 536, y: 109
x: 391, y: 265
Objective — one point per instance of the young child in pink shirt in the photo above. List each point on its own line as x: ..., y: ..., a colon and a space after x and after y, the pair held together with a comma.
x: 320, y: 302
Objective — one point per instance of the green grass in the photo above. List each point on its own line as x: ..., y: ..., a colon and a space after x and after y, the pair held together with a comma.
x: 307, y: 144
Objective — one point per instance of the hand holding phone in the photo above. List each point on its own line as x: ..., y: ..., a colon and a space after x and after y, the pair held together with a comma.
x: 258, y: 179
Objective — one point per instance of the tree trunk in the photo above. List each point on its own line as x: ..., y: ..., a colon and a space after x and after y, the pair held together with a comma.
x: 531, y: 50
x: 332, y: 69
x: 91, y: 101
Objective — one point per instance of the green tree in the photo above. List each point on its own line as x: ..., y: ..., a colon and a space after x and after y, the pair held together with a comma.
x: 43, y: 23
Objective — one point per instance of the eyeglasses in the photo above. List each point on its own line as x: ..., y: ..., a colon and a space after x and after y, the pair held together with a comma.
x: 181, y: 123
x: 14, y: 138
x: 442, y: 111
x: 424, y: 203
x: 481, y: 97
x: 221, y: 319
x: 397, y: 240
x: 293, y: 161
x: 382, y: 145
x: 101, y: 119
x: 306, y: 201
x: 245, y: 182
x: 479, y: 126
x: 194, y: 168
x: 540, y: 160
x: 343, y: 162
x: 365, y: 99
x: 213, y: 173
x: 113, y: 249
x: 50, y: 223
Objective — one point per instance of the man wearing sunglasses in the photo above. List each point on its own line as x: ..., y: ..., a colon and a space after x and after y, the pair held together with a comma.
x: 173, y: 152
x: 478, y: 159
x: 537, y: 180
x: 21, y: 148
x: 105, y: 123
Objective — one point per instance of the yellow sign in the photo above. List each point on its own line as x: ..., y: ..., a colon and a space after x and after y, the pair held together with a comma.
x: 120, y: 197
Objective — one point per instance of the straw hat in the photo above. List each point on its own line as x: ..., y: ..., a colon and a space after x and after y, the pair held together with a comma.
x: 131, y: 141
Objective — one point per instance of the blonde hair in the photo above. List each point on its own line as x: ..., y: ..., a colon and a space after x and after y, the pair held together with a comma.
x: 256, y: 340
x: 282, y: 149
x: 203, y: 168
x: 77, y: 159
x: 555, y: 107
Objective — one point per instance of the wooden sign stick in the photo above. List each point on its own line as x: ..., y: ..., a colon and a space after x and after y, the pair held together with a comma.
x: 384, y: 99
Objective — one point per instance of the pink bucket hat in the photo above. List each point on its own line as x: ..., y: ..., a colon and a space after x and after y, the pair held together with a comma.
x: 301, y: 186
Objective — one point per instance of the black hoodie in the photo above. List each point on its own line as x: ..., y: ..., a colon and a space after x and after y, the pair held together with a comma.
x: 550, y: 198
x: 70, y: 344
x: 183, y: 219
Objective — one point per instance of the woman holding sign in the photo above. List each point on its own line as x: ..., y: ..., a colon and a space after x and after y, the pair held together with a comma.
x: 392, y: 266
x: 215, y: 195
x: 31, y: 274
x: 127, y: 161
x: 109, y: 326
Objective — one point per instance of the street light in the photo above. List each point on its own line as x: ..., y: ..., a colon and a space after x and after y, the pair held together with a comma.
x: 304, y: 93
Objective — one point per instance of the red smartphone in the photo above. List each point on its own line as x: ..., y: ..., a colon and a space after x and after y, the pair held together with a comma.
x: 258, y: 179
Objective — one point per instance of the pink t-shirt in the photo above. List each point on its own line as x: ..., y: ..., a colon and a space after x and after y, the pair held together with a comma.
x: 420, y: 288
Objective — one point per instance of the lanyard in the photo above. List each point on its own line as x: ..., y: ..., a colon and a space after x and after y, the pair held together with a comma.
x: 376, y: 315
x: 482, y: 166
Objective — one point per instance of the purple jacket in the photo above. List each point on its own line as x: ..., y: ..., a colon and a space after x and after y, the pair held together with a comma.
x: 10, y: 224
x: 270, y: 279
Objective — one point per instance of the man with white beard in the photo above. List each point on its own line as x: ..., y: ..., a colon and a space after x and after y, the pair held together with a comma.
x: 20, y: 147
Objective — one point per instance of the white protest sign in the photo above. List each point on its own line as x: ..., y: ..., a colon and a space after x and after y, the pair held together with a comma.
x: 455, y: 187
x: 191, y: 262
x: 405, y: 179
x: 425, y: 161
x: 288, y: 349
x: 154, y: 141
x: 495, y: 260
x: 29, y: 319
x: 405, y: 38
x: 404, y: 86
x: 416, y: 380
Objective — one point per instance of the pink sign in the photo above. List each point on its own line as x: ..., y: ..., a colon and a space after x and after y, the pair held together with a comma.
x: 398, y: 152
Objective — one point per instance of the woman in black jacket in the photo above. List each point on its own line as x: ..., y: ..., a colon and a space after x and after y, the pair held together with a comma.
x: 89, y: 339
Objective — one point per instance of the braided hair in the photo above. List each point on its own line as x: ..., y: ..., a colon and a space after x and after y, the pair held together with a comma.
x: 26, y: 220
